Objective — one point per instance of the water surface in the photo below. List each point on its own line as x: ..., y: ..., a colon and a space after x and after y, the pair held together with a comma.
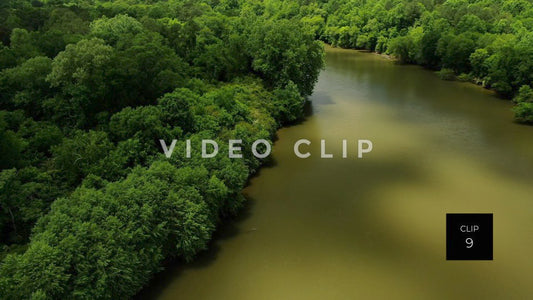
x: 343, y: 228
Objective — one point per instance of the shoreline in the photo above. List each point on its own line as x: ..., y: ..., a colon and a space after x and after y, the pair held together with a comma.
x: 473, y: 81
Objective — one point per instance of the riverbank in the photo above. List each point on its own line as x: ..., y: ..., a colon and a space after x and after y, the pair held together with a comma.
x: 446, y: 76
x: 335, y: 228
x: 81, y: 117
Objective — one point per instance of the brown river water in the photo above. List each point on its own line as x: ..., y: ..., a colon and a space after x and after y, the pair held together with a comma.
x: 346, y: 228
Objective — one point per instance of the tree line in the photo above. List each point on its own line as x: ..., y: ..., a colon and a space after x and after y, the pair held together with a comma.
x: 488, y: 42
x: 90, y: 207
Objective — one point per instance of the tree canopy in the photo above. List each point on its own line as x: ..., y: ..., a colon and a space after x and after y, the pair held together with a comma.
x: 488, y: 42
x: 89, y: 205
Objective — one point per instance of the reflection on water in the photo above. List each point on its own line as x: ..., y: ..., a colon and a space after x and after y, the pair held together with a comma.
x: 375, y: 227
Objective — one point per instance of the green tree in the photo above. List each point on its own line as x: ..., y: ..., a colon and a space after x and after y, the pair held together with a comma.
x: 176, y: 108
x: 24, y: 86
x: 524, y: 105
x: 112, y: 30
x: 282, y: 52
x: 80, y: 74
x: 76, y: 157
x: 10, y: 147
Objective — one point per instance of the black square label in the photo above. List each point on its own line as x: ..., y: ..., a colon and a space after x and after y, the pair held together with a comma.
x: 468, y: 236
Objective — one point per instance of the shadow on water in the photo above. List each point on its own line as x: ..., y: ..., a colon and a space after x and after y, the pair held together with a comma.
x: 341, y: 208
x: 226, y: 230
x: 308, y: 111
x: 470, y: 119
x: 173, y: 269
x: 321, y: 98
x: 270, y: 161
x: 327, y: 221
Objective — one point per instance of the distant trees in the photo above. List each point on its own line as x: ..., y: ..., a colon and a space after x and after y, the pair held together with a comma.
x: 488, y: 42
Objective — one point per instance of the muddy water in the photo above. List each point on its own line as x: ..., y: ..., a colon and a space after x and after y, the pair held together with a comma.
x: 343, y: 228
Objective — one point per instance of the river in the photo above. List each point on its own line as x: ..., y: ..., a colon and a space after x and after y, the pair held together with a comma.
x: 345, y: 228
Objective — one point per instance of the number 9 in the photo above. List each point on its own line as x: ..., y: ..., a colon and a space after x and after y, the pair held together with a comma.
x: 469, y: 243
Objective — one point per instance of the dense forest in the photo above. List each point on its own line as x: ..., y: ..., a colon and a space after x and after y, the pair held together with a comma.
x: 488, y: 42
x: 91, y: 208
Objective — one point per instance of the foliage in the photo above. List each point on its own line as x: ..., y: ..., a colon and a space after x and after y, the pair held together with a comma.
x: 89, y: 205
x: 298, y: 63
x: 446, y: 74
x: 489, y: 41
x: 152, y: 214
x: 524, y: 105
